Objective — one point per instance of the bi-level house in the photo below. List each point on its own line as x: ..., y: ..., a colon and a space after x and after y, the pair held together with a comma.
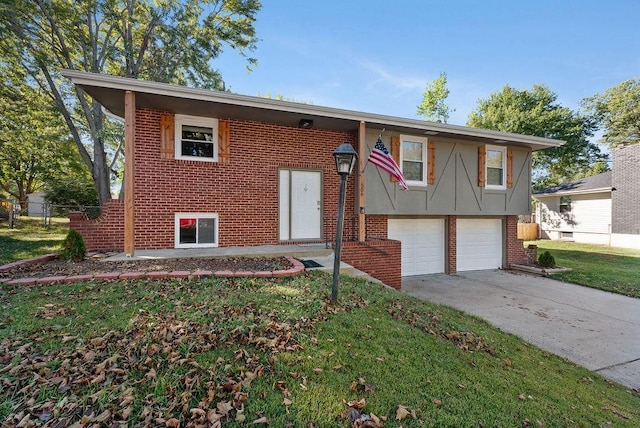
x: 215, y: 169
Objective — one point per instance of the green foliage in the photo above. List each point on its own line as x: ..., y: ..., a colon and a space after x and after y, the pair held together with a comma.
x: 35, y: 146
x: 165, y: 41
x: 73, y: 247
x: 433, y: 106
x: 617, y: 111
x: 547, y: 260
x: 78, y: 191
x: 536, y: 112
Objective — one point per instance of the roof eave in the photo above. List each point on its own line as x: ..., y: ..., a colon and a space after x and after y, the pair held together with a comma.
x: 85, y: 79
x: 575, y: 192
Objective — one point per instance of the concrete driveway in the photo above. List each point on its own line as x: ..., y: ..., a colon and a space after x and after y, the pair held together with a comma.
x: 593, y: 328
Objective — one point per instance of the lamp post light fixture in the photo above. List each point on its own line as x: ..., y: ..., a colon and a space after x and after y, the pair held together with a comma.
x: 345, y: 157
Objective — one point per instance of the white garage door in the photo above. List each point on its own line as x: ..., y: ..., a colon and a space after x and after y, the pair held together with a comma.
x: 479, y: 244
x: 422, y: 244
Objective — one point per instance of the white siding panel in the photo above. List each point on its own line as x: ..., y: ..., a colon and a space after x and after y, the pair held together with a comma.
x: 591, y: 213
x: 479, y: 244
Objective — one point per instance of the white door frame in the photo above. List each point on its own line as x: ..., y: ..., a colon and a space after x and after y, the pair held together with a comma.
x: 306, y: 218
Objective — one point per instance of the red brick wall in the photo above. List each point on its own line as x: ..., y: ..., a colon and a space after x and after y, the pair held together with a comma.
x: 105, y: 233
x: 376, y: 227
x: 243, y: 192
x: 452, y: 244
x: 379, y: 258
x: 514, y: 246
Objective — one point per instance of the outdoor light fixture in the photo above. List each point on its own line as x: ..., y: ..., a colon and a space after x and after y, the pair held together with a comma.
x: 345, y: 157
x: 305, y: 123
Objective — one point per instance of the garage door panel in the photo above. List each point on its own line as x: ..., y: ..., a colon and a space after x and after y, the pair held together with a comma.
x: 422, y: 244
x: 479, y: 244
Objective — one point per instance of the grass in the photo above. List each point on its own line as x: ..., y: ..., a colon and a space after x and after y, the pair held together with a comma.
x: 168, y: 352
x: 30, y: 239
x: 606, y: 268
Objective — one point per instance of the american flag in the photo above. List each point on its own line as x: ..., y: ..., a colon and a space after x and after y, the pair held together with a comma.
x: 380, y: 157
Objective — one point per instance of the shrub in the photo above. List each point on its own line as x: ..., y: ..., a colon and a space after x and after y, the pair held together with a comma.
x: 547, y: 260
x: 73, y: 247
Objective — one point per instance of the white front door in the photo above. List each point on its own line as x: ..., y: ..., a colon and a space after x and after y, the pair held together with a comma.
x: 300, y: 204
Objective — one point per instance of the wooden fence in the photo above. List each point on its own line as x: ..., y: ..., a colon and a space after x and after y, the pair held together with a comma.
x: 528, y: 231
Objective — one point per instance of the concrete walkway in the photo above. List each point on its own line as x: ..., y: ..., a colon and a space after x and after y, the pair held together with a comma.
x: 593, y: 328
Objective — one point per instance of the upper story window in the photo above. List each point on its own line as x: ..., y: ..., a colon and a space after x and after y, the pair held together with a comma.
x: 413, y: 159
x: 565, y: 204
x: 196, y: 138
x: 496, y: 167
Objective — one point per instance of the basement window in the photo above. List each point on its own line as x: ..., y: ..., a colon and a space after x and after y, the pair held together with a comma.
x: 196, y: 230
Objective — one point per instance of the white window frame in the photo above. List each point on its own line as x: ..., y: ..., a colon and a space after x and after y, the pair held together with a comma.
x: 504, y: 167
x: 205, y: 122
x: 179, y: 216
x: 423, y: 141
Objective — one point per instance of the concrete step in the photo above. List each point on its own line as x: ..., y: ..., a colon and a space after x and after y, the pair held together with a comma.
x: 327, y: 265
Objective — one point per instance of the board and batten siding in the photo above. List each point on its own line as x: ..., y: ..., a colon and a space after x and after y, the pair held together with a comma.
x: 589, y: 219
x: 455, y: 190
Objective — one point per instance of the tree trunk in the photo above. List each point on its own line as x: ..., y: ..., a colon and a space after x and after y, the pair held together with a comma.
x: 100, y: 171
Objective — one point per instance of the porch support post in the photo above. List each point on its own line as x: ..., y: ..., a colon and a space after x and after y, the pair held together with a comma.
x: 360, y: 203
x: 129, y: 172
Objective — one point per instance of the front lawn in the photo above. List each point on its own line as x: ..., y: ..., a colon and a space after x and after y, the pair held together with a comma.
x: 597, y: 266
x: 272, y: 351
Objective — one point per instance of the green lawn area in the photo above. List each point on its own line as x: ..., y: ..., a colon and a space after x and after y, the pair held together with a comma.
x: 172, y: 353
x: 29, y: 238
x: 597, y: 266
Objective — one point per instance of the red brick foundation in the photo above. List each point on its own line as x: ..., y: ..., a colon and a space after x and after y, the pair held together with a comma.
x: 379, y: 258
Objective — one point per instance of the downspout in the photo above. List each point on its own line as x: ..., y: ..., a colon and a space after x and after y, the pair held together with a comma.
x: 360, y: 200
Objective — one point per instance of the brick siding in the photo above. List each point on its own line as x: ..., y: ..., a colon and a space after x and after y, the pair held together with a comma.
x: 379, y: 258
x: 626, y: 181
x: 514, y: 247
x: 105, y: 233
x: 243, y: 192
x: 452, y: 244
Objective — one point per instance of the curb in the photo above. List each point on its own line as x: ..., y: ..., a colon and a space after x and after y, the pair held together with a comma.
x: 296, y: 269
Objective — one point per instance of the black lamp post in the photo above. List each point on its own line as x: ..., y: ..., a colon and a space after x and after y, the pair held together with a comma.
x: 345, y: 158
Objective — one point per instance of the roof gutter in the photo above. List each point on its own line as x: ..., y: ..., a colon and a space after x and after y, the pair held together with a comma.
x: 574, y: 192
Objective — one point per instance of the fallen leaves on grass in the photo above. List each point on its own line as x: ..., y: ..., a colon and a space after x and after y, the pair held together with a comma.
x: 152, y: 372
x: 431, y: 324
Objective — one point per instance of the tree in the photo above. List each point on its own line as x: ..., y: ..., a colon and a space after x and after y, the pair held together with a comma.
x: 171, y: 41
x: 617, y: 110
x: 35, y: 147
x: 536, y: 112
x: 433, y: 106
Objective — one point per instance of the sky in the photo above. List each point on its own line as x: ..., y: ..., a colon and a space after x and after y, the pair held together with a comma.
x: 377, y: 56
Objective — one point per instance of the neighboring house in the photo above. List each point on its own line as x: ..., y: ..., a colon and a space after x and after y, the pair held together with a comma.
x: 215, y: 169
x: 602, y: 209
x: 625, y: 229
x: 36, y: 204
x: 579, y: 211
